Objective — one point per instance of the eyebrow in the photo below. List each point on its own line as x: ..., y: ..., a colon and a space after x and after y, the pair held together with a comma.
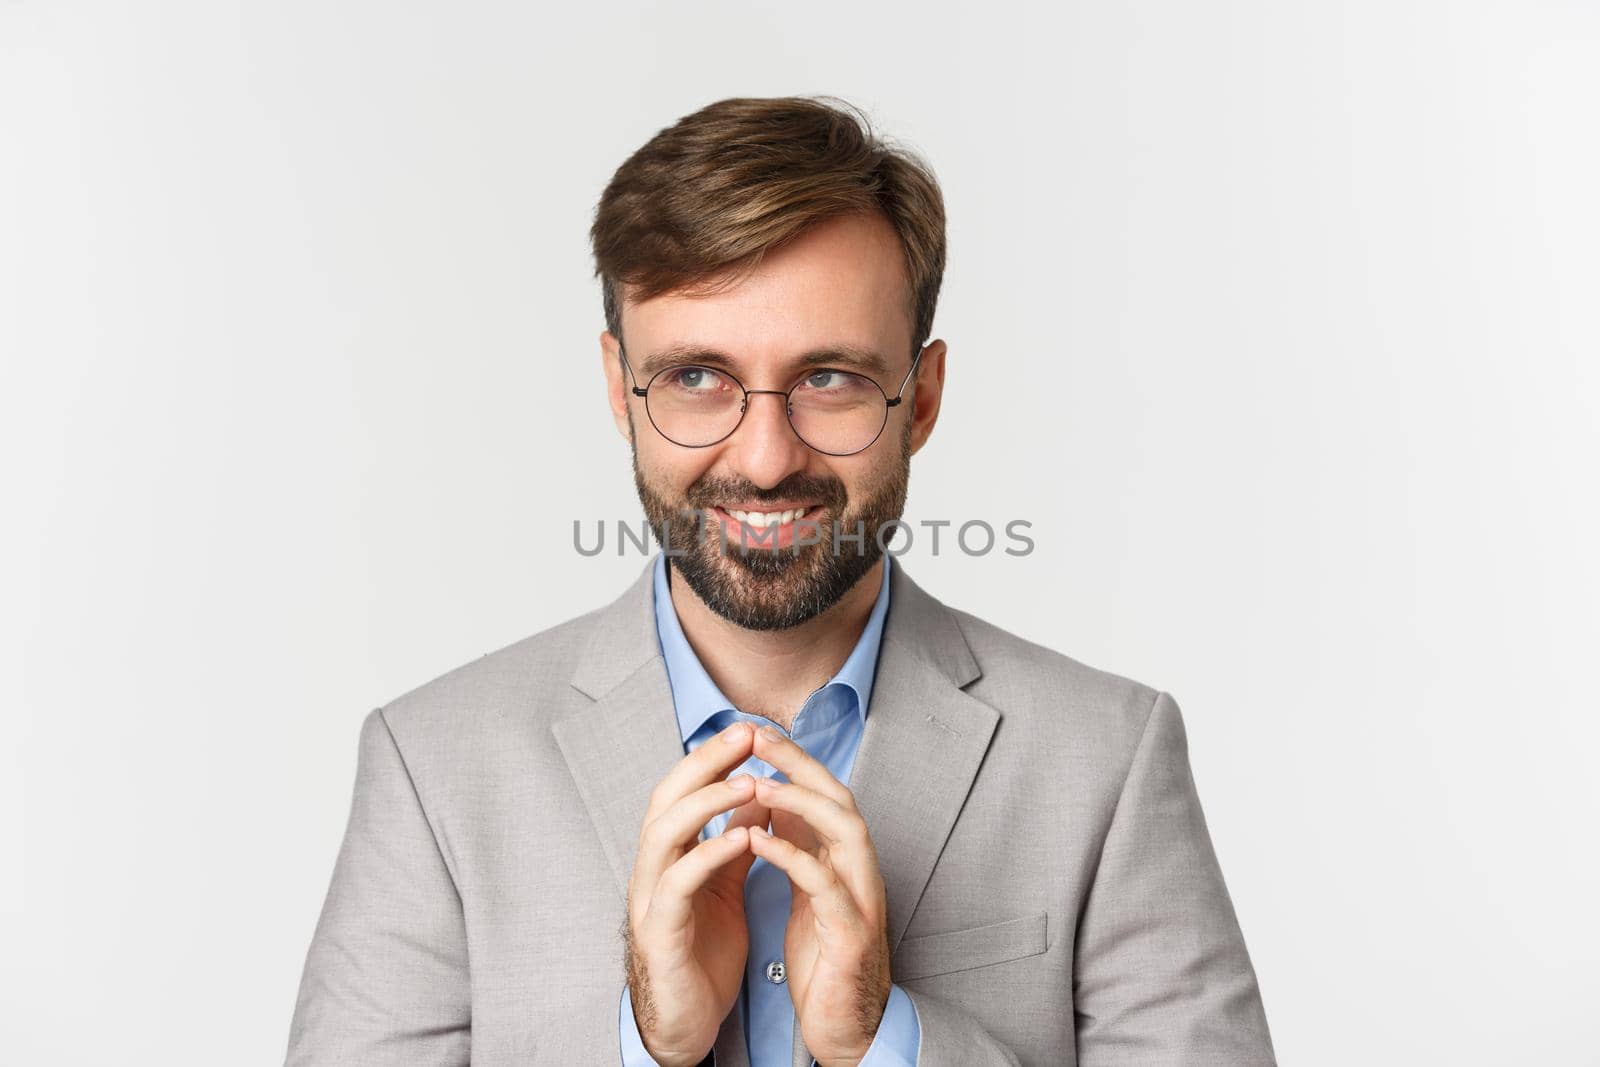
x: 855, y: 357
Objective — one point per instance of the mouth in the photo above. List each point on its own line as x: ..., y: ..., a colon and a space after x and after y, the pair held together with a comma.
x: 766, y: 528
x: 762, y: 519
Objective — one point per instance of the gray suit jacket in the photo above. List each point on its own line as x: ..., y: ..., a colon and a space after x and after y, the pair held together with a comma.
x: 1053, y: 893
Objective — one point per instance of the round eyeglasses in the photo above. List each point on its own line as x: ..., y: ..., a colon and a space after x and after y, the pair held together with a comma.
x: 835, y: 412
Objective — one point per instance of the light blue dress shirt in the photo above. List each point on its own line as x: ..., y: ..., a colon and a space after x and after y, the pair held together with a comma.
x: 828, y: 727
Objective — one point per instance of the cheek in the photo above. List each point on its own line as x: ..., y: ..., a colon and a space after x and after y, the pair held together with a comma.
x: 667, y: 469
x: 862, y: 478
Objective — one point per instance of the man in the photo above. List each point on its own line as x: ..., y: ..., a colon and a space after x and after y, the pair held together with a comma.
x: 946, y: 845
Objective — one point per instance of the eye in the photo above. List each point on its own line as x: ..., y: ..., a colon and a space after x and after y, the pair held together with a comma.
x: 836, y: 387
x: 693, y: 380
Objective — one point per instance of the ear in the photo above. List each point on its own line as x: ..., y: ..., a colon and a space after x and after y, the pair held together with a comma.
x: 618, y: 393
x: 928, y: 391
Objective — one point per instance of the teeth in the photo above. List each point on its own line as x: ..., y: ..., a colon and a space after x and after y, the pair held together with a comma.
x: 762, y: 519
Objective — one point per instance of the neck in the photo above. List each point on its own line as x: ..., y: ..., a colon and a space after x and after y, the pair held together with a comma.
x: 772, y: 672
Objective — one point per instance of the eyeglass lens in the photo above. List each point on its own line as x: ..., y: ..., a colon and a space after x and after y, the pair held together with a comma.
x: 833, y: 411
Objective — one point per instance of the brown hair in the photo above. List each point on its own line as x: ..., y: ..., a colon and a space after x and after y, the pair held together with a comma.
x: 705, y: 198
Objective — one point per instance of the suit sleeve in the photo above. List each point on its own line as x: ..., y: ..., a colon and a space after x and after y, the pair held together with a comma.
x: 1161, y: 974
x: 386, y: 978
x: 950, y: 1036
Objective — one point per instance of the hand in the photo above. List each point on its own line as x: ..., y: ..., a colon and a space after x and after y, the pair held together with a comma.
x: 686, y: 938
x: 836, y: 946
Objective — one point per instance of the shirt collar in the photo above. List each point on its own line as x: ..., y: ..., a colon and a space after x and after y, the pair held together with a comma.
x: 697, y: 698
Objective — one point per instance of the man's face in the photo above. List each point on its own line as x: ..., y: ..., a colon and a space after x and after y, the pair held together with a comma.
x: 840, y: 285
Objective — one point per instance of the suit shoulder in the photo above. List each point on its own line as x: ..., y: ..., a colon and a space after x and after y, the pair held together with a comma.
x: 1024, y: 677
x: 503, y: 685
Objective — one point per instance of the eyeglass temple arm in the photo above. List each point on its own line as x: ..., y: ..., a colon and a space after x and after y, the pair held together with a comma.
x: 631, y: 376
x: 901, y: 394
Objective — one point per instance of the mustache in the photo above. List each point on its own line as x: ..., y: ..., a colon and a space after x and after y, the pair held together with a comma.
x: 828, y: 492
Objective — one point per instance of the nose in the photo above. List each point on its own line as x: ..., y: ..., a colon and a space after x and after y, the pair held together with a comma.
x: 765, y: 448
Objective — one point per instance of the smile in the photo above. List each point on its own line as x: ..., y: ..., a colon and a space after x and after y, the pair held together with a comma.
x: 767, y: 529
x: 760, y: 520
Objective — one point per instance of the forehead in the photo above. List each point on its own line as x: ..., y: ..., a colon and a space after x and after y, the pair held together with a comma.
x: 842, y: 282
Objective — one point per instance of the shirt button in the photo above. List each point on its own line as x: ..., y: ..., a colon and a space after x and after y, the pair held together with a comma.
x: 775, y: 972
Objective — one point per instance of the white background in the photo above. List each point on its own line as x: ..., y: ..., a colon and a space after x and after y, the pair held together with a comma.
x: 1277, y: 319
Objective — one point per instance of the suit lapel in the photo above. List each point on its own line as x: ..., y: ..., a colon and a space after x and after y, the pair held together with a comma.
x: 920, y: 751
x: 622, y: 744
x: 923, y: 743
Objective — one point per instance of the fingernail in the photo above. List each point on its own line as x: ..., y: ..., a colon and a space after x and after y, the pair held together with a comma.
x: 771, y: 733
x: 734, y: 732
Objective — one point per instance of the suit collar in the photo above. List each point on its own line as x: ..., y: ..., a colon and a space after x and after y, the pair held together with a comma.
x: 622, y: 637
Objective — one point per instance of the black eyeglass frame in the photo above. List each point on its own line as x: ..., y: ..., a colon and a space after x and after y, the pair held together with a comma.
x: 788, y: 408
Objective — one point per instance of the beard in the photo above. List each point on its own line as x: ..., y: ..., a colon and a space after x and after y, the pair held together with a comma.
x: 770, y: 588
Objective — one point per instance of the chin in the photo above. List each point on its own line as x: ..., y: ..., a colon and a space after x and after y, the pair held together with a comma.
x: 758, y: 589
